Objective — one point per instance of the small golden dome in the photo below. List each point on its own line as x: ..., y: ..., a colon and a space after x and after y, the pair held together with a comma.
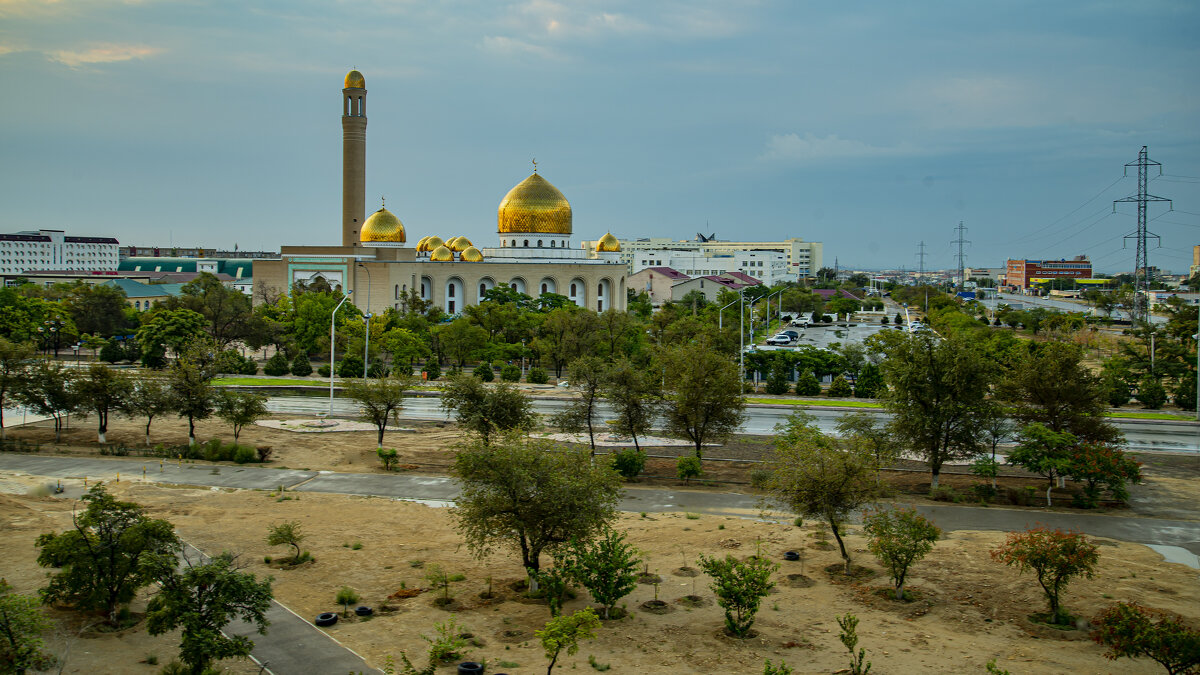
x: 382, y: 226
x: 442, y: 254
x: 471, y: 254
x: 535, y: 206
x: 354, y: 80
x: 608, y: 244
x: 421, y: 243
x: 433, y: 241
x: 464, y: 242
x: 456, y: 244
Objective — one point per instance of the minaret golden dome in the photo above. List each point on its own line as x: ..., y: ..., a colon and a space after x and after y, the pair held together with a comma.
x: 471, y: 254
x: 383, y: 226
x: 355, y: 80
x: 608, y: 244
x: 441, y: 254
x: 536, y: 206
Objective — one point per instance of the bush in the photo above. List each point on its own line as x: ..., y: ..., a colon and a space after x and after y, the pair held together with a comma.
x: 244, y: 454
x: 233, y: 363
x: 629, y: 462
x: 323, y: 371
x: 1055, y: 557
x: 484, y: 372
x: 378, y: 370
x: 898, y: 538
x: 688, y: 467
x: 1151, y: 393
x: 825, y: 318
x: 1185, y: 392
x: 840, y: 388
x: 112, y: 352
x: 276, y: 365
x: 432, y: 370
x: 537, y: 375
x: 1130, y: 631
x: 807, y: 384
x: 759, y: 478
x: 870, y: 382
x: 739, y: 586
x: 388, y: 457
x: 213, y: 451
x: 300, y: 366
x: 777, y: 381
x: 351, y: 365
x: 510, y: 373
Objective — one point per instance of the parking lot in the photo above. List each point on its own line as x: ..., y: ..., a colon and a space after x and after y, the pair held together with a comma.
x: 822, y: 336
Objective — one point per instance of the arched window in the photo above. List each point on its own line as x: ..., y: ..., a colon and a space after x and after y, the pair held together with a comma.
x: 482, y: 290
x: 397, y: 292
x: 526, y: 243
x: 544, y: 288
x: 450, y: 291
x: 572, y: 290
x: 513, y: 243
x: 552, y: 243
x: 600, y: 288
x: 539, y: 243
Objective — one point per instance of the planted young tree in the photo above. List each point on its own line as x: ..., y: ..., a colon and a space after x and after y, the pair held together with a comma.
x: 99, y: 391
x: 531, y: 495
x: 740, y: 587
x: 203, y: 598
x: 812, y: 476
x: 286, y: 534
x: 1131, y: 631
x: 190, y: 378
x: 587, y: 374
x: 346, y: 596
x: 276, y: 365
x: 47, y: 390
x: 379, y: 399
x: 870, y: 381
x: 101, y: 561
x: 565, y: 632
x: 839, y: 388
x: 635, y: 399
x: 849, y: 638
x: 1056, y: 557
x: 606, y: 567
x: 1044, y: 452
x: 487, y: 409
x: 14, y: 366
x: 1151, y: 393
x: 149, y: 398
x: 240, y: 408
x: 898, y: 538
x: 688, y: 467
x: 21, y: 627
x: 807, y: 384
x: 704, y: 402
x: 388, y: 457
x: 1099, y: 466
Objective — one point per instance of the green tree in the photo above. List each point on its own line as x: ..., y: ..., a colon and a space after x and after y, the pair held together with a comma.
x: 849, y: 638
x: 740, y: 587
x: 150, y: 397
x: 461, y: 340
x: 530, y: 495
x: 1044, y: 452
x: 869, y: 383
x: 863, y: 429
x: 98, y: 309
x: 1099, y: 466
x: 276, y: 365
x: 1184, y: 396
x: 379, y: 399
x: 634, y: 397
x: 1151, y: 393
x: 487, y: 409
x: 606, y: 567
x: 807, y: 384
x: 704, y: 403
x: 302, y: 367
x: 1055, y: 557
x: 227, y: 311
x: 565, y: 632
x: 587, y: 374
x: 1050, y: 385
x: 48, y: 391
x: 167, y: 328
x: 190, y: 379
x: 688, y: 467
x: 346, y: 596
x: 1130, y: 631
x: 201, y: 599
x: 898, y: 538
x: 101, y: 561
x: 99, y: 391
x: 21, y: 626
x: 240, y: 408
x: 839, y: 388
x: 812, y: 476
x: 14, y: 369
x: 286, y: 534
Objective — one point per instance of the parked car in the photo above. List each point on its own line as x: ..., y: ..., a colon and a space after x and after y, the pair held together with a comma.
x: 781, y: 339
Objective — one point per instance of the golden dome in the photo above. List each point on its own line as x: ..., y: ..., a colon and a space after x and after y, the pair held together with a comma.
x: 431, y: 242
x: 383, y: 226
x: 354, y: 80
x: 442, y: 254
x: 457, y: 244
x: 421, y: 243
x: 536, y: 206
x: 471, y: 254
x: 608, y: 244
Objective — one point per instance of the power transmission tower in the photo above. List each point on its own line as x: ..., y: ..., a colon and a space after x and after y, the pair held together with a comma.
x: 921, y: 257
x: 1141, y: 260
x: 962, y: 258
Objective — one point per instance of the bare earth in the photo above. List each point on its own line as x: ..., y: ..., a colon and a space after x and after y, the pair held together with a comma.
x: 969, y: 608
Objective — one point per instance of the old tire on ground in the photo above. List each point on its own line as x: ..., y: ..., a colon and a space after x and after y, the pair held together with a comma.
x: 470, y: 668
x: 326, y: 619
x: 363, y: 611
x: 791, y: 555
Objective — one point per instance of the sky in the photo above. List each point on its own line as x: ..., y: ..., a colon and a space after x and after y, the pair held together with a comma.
x: 868, y: 126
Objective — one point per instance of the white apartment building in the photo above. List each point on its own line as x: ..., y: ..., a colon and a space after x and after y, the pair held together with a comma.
x: 33, y: 250
x: 768, y: 267
x: 801, y: 258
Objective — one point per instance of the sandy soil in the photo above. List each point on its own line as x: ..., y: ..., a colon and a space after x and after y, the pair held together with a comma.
x: 969, y: 609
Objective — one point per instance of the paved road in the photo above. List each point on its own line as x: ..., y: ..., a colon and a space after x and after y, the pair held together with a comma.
x: 440, y: 491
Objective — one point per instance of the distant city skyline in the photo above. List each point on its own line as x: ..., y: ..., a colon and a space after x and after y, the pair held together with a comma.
x: 868, y: 128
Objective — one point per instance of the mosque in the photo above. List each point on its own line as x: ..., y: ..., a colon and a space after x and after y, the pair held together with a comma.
x: 533, y: 252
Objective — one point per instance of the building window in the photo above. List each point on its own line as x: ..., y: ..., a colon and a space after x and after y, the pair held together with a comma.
x: 450, y: 306
x: 526, y: 243
x: 600, y: 288
x: 539, y: 243
x: 544, y: 288
x: 572, y: 290
x: 450, y: 292
x: 482, y: 289
x: 552, y: 242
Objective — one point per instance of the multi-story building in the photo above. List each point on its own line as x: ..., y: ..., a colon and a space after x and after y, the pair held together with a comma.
x: 34, y: 250
x: 768, y: 267
x: 188, y: 252
x: 801, y: 258
x: 1020, y: 273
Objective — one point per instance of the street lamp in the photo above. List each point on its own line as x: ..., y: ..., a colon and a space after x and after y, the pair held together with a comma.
x: 333, y: 344
x: 721, y: 313
x: 769, y: 305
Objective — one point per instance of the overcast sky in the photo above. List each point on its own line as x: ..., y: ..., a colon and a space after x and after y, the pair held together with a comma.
x: 866, y: 126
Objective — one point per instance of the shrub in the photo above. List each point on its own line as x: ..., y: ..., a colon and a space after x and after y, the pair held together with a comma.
x: 351, y: 365
x: 537, y: 375
x: 759, y: 478
x: 286, y: 534
x: 510, y: 373
x: 264, y: 452
x: 807, y: 384
x: 432, y: 370
x: 1185, y: 392
x: 346, y: 596
x: 688, y: 467
x: 388, y: 457
x: 777, y: 381
x: 323, y: 371
x: 301, y: 366
x: 825, y: 318
x: 484, y: 372
x: 112, y: 352
x: 606, y: 567
x: 849, y: 638
x: 1130, y: 631
x: 378, y: 370
x: 448, y: 645
x: 244, y: 454
x: 898, y: 538
x: 840, y: 388
x: 739, y: 586
x: 629, y: 462
x: 213, y: 451
x: 276, y: 365
x: 1054, y: 556
x: 1150, y: 393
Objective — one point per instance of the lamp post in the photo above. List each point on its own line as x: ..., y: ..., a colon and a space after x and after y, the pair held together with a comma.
x: 721, y: 313
x: 53, y: 327
x: 769, y: 305
x: 333, y: 344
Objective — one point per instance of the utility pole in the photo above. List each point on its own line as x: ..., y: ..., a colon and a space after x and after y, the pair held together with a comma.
x: 962, y: 259
x: 1141, y: 261
x: 921, y: 257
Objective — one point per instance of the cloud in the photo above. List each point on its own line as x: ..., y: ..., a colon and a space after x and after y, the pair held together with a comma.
x: 104, y: 53
x: 792, y: 147
x: 500, y: 44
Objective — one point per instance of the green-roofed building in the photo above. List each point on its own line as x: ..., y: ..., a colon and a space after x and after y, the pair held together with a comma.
x: 239, y: 270
x: 144, y: 296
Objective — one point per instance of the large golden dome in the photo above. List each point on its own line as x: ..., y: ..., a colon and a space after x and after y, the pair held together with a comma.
x: 441, y: 254
x: 355, y: 80
x: 471, y: 254
x: 534, y: 205
x: 383, y: 226
x: 608, y: 244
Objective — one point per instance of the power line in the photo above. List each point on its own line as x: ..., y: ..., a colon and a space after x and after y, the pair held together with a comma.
x: 921, y: 256
x: 1141, y: 260
x: 1072, y: 212
x: 962, y: 258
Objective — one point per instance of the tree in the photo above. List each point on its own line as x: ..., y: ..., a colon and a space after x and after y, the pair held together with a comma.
x: 863, y: 429
x: 812, y: 476
x: 1151, y: 393
x: 47, y: 389
x: 101, y: 390
x: 378, y: 399
x: 302, y: 367
x: 1054, y: 556
x: 849, y: 638
x: 149, y: 398
x: 286, y: 534
x: 276, y: 365
x: 227, y: 311
x: 688, y: 467
x: 100, y: 562
x: 460, y: 339
x: 21, y: 626
x: 898, y: 538
x: 807, y: 384
x: 346, y: 596
x: 98, y: 309
x: 487, y: 409
x: 531, y: 495
x: 190, y: 377
x: 1044, y: 452
x: 869, y: 382
x: 739, y: 586
x: 938, y: 392
x: 704, y: 403
x: 565, y: 632
x: 240, y: 408
x: 1130, y: 630
x: 634, y: 397
x: 839, y: 388
x: 1099, y: 466
x: 1049, y: 384
x: 588, y: 374
x: 777, y: 381
x: 14, y: 364
x: 168, y: 328
x: 606, y: 567
x: 201, y: 599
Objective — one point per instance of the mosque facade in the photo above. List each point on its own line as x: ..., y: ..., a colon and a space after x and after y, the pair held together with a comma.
x: 533, y: 252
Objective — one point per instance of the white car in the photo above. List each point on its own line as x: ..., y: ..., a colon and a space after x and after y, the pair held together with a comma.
x: 780, y: 339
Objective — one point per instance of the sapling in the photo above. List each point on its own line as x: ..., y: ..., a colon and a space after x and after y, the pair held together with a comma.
x: 565, y: 632
x: 346, y: 597
x: 1055, y: 557
x: 849, y: 637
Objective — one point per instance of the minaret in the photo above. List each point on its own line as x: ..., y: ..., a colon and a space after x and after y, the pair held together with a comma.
x: 354, y: 156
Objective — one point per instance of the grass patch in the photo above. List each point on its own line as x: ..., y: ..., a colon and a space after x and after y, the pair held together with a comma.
x: 1149, y: 416
x: 807, y: 401
x: 263, y: 381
